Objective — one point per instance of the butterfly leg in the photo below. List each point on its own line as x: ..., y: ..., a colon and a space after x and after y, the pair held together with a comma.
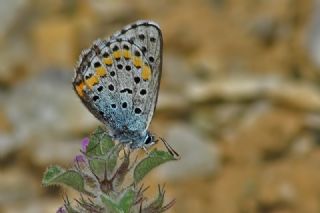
x: 145, y: 149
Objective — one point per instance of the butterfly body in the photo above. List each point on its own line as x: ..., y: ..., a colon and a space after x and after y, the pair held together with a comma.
x: 118, y: 80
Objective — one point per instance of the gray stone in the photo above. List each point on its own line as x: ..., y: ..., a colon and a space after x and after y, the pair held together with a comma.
x: 171, y: 102
x: 224, y: 115
x: 36, y: 205
x: 16, y: 185
x: 264, y: 28
x: 233, y: 88
x: 312, y: 121
x: 46, y: 106
x: 177, y: 73
x: 60, y: 152
x: 268, y: 29
x: 302, y: 95
x: 7, y: 145
x: 313, y: 34
x: 9, y: 11
x: 303, y: 145
x: 199, y: 157
x: 15, y: 60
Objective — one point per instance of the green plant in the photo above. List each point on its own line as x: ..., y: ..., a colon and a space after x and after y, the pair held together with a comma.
x: 108, y: 178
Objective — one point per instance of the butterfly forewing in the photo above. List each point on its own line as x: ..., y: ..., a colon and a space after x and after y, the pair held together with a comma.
x: 118, y: 78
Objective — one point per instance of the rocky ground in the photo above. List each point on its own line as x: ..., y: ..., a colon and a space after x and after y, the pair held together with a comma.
x: 239, y: 99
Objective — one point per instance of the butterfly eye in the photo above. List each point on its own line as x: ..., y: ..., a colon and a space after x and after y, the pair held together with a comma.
x: 148, y: 140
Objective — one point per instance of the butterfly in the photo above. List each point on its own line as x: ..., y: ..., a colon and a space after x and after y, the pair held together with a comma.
x: 118, y: 80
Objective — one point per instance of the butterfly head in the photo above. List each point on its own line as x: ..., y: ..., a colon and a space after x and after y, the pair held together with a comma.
x: 146, y: 139
x: 149, y: 140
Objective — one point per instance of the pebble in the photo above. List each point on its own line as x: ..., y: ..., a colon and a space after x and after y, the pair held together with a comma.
x: 300, y: 95
x: 60, y: 152
x: 199, y: 157
x: 46, y: 107
x: 312, y: 35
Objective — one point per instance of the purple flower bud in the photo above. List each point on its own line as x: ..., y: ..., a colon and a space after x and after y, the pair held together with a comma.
x: 80, y: 159
x: 84, y: 144
x: 61, y: 210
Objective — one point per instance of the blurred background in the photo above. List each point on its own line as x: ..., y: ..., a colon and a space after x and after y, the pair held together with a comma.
x: 239, y: 99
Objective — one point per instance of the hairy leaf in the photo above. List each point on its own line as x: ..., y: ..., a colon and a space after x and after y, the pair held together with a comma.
x: 154, y: 159
x: 100, y: 143
x: 58, y: 176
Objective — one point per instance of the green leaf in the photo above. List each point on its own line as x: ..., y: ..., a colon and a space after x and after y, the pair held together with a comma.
x: 50, y: 174
x: 154, y: 159
x: 124, y: 205
x: 110, y: 204
x: 112, y: 157
x: 98, y: 164
x: 58, y: 176
x: 100, y: 143
x: 127, y: 200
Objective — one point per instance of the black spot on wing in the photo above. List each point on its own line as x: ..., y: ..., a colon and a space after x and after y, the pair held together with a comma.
x: 126, y: 90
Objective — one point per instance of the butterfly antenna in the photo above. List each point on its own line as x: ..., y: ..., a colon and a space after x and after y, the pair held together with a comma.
x: 170, y: 149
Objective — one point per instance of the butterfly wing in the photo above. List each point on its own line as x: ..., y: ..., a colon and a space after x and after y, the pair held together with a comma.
x: 95, y: 83
x: 146, y: 40
x: 118, y: 79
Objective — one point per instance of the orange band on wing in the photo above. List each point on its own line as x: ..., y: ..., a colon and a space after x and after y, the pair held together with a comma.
x: 79, y: 89
x: 117, y: 54
x: 137, y: 61
x: 101, y: 72
x: 146, y: 72
x: 108, y: 61
x: 126, y: 54
x: 92, y: 81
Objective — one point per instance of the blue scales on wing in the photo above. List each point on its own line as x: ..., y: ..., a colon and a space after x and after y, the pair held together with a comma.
x: 118, y: 80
